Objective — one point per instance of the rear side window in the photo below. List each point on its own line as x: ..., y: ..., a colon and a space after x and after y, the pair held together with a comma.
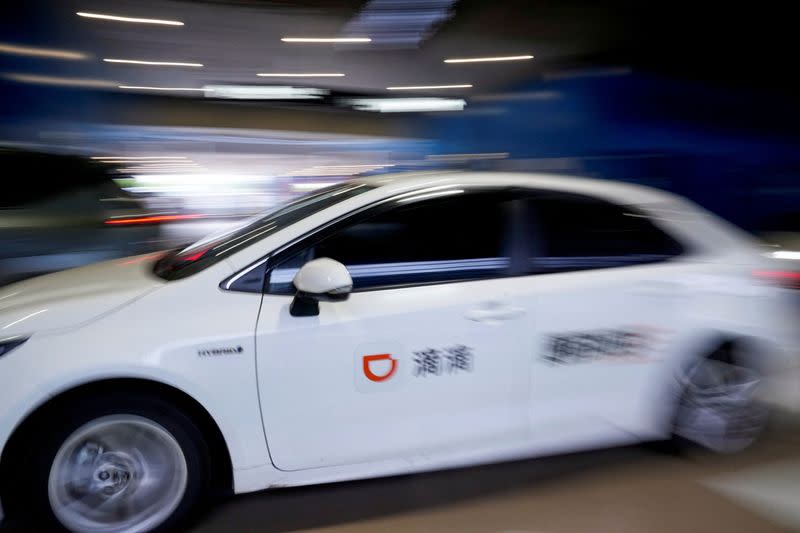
x: 433, y: 241
x: 574, y: 232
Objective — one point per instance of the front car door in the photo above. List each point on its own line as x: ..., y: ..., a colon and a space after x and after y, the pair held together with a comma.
x: 428, y: 355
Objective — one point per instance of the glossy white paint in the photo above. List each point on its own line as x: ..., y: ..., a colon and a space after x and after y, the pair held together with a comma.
x: 323, y: 276
x: 292, y: 395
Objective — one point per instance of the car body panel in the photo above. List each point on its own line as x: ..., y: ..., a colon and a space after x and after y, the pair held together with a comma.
x: 288, y: 393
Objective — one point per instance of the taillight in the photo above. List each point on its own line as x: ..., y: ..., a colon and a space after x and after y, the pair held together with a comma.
x: 783, y: 278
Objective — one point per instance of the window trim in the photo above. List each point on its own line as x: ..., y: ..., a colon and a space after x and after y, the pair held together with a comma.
x: 539, y: 241
x: 363, y: 212
x: 518, y: 267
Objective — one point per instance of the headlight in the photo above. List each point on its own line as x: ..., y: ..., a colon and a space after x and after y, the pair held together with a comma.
x: 9, y: 343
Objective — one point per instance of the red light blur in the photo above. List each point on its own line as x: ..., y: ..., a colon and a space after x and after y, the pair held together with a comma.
x: 150, y: 219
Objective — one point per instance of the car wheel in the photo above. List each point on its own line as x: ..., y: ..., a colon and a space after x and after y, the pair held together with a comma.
x: 719, y: 408
x: 130, y: 463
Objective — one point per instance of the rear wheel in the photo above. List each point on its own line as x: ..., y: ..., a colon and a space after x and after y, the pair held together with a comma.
x: 719, y: 408
x: 126, y: 463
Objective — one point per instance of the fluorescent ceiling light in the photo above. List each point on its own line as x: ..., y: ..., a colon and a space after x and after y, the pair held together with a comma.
x: 488, y: 59
x: 427, y: 87
x: 263, y: 92
x: 407, y: 105
x: 35, y: 51
x: 786, y: 254
x: 61, y: 81
x: 145, y: 88
x: 156, y: 63
x: 129, y: 19
x: 300, y: 75
x: 326, y: 39
x: 127, y: 158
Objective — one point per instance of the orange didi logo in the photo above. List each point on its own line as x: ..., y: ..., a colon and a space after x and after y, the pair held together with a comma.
x: 367, y: 361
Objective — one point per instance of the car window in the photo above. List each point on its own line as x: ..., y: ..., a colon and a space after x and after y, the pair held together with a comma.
x: 183, y: 262
x: 575, y: 232
x: 433, y: 241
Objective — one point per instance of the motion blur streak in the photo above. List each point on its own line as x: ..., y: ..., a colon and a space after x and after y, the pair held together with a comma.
x: 154, y: 63
x: 35, y: 51
x: 428, y: 87
x: 148, y: 88
x: 129, y: 19
x: 326, y: 39
x: 489, y: 59
x: 151, y: 219
x: 61, y: 81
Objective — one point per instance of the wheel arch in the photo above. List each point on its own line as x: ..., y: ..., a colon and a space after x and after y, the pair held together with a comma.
x: 222, y: 474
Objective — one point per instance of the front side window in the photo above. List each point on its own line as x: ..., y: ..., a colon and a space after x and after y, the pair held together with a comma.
x: 210, y: 250
x: 432, y: 241
x: 575, y: 232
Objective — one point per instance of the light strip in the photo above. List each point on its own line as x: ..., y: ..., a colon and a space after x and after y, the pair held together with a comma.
x: 156, y: 63
x: 61, y: 81
x: 488, y: 59
x: 300, y: 75
x: 425, y: 87
x: 131, y: 158
x: 326, y: 39
x: 144, y: 88
x: 786, y: 254
x: 263, y: 92
x: 405, y: 105
x: 35, y: 51
x: 129, y: 19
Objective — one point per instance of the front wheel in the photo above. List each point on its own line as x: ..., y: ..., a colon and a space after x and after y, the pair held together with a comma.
x: 129, y: 463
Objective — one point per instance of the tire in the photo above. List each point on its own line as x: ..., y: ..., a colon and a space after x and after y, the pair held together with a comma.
x: 120, y: 462
x: 719, y: 408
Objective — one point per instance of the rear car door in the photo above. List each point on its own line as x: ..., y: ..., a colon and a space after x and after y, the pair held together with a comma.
x: 426, y: 356
x: 609, y: 296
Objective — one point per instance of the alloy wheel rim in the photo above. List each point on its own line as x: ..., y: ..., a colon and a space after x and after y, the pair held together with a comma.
x: 117, y: 473
x: 720, y: 407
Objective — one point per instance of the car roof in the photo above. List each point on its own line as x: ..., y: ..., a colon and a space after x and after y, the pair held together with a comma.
x: 619, y: 192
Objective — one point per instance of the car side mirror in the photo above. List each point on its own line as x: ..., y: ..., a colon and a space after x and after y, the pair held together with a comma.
x: 319, y: 280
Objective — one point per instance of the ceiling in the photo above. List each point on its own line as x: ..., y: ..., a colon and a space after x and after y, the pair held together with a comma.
x: 236, y: 39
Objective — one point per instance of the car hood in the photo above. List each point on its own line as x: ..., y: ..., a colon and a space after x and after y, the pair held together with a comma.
x: 74, y: 297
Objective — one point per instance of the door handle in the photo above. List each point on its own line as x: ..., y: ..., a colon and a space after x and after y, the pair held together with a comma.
x: 494, y: 313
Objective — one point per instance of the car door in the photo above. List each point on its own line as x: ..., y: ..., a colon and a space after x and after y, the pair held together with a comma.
x: 426, y: 356
x: 609, y: 301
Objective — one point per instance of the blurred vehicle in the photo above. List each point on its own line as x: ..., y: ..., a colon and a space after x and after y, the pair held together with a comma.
x: 61, y: 211
x: 382, y: 326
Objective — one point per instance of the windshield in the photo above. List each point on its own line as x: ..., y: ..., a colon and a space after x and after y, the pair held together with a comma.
x: 183, y: 262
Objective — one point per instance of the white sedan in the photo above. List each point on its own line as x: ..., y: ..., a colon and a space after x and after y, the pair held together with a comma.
x: 382, y: 326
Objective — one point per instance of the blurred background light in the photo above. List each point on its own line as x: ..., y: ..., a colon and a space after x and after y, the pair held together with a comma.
x: 326, y: 39
x: 407, y: 105
x: 149, y: 88
x: 398, y: 24
x: 118, y: 18
x: 153, y: 63
x: 428, y: 87
x: 489, y: 59
x: 263, y: 92
x: 36, y: 51
x: 61, y: 81
x: 300, y: 75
